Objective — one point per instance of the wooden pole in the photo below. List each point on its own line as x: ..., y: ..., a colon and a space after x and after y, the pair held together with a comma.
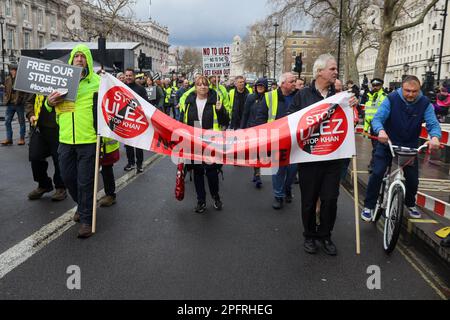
x: 356, y: 197
x: 94, y: 205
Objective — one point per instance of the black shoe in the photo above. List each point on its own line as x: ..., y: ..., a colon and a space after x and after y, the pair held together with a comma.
x: 139, y: 169
x: 129, y: 167
x: 329, y: 248
x: 277, y: 203
x: 200, y: 208
x: 310, y: 246
x: 289, y: 197
x: 217, y: 203
x: 446, y: 242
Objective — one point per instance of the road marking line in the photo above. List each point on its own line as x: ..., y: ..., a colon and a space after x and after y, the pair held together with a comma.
x: 401, y: 248
x: 21, y: 252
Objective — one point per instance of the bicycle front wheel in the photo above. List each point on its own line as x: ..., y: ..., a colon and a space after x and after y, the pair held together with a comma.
x: 393, y: 222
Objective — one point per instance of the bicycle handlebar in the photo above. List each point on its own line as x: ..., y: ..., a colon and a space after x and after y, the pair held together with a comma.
x: 394, y: 148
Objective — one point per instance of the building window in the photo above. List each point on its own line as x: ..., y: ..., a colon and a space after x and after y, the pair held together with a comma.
x: 40, y: 17
x: 41, y: 41
x: 8, y: 7
x: 26, y: 12
x: 10, y: 38
x: 26, y: 40
x: 53, y: 21
x: 294, y: 53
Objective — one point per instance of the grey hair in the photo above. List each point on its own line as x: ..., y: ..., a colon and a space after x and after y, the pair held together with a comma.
x: 284, y: 77
x: 321, y: 63
x: 119, y: 74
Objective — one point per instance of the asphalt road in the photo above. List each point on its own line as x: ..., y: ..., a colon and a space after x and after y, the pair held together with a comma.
x: 149, y: 246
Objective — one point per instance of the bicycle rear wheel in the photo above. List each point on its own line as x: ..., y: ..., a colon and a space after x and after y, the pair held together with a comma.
x: 393, y: 222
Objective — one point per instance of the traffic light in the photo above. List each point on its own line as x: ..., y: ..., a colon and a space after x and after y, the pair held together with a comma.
x: 298, y: 64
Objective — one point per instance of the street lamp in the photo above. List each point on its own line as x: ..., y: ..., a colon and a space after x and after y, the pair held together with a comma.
x: 444, y: 14
x: 405, y: 69
x: 430, y: 63
x: 276, y: 25
x: 340, y: 39
x: 2, y: 21
x: 428, y: 86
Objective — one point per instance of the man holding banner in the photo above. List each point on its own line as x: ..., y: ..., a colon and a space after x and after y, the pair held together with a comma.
x: 319, y: 180
x: 78, y: 138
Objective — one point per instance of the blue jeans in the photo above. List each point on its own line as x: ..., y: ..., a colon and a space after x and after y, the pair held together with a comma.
x: 382, y: 160
x: 283, y: 180
x: 77, y: 165
x: 10, y: 111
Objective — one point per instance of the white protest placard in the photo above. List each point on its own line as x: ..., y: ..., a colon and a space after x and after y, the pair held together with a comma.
x: 43, y: 77
x: 216, y: 61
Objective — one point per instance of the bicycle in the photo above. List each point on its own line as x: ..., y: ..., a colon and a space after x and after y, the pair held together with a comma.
x: 390, y: 203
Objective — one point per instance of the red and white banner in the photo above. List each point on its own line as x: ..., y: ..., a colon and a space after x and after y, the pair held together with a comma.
x: 324, y: 131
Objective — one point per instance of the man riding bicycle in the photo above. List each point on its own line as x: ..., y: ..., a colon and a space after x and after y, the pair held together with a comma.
x: 400, y: 120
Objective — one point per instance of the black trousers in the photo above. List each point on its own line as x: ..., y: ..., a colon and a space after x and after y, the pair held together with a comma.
x: 109, y: 181
x: 212, y: 175
x: 49, y: 136
x: 135, y: 156
x: 319, y: 180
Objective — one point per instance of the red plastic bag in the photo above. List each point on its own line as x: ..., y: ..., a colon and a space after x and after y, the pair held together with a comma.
x: 179, y: 185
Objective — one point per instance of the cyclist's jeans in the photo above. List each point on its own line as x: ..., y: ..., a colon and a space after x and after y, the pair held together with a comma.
x: 382, y: 159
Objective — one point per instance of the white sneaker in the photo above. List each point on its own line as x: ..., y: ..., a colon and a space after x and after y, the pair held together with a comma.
x: 414, y: 213
x: 367, y: 214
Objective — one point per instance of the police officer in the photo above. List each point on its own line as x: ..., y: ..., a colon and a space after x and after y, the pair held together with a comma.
x: 374, y: 100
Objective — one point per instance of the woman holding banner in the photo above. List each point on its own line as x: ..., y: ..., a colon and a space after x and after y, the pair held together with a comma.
x: 203, y: 106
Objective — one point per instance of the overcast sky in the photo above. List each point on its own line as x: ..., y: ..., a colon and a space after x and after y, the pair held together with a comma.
x: 199, y: 23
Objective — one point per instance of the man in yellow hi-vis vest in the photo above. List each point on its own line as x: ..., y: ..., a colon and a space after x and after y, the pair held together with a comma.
x: 374, y: 100
x: 275, y: 106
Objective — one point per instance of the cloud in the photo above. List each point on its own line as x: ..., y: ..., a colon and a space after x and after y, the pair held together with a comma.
x: 203, y: 22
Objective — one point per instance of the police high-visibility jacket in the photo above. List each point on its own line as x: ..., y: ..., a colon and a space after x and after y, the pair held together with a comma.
x: 76, y: 119
x: 372, y: 105
x: 211, y: 118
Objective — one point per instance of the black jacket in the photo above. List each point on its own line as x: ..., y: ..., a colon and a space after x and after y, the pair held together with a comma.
x: 140, y: 90
x: 253, y: 103
x: 208, y: 113
x: 307, y: 97
x: 238, y: 110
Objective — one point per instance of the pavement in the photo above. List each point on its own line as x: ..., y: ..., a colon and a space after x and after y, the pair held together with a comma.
x: 150, y: 246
